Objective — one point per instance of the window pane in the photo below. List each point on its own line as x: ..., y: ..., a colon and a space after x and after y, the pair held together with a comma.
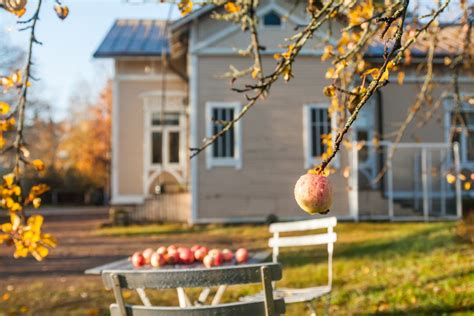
x: 156, y: 145
x: 320, y: 125
x: 223, y: 147
x: 271, y: 19
x: 169, y: 118
x: 174, y: 147
x: 470, y: 145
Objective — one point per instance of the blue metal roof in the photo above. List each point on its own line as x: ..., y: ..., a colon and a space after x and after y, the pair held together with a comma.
x: 134, y: 38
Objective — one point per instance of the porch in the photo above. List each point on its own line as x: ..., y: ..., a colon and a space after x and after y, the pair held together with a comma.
x: 421, y: 182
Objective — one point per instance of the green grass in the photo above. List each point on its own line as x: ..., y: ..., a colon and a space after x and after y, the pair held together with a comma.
x: 379, y: 268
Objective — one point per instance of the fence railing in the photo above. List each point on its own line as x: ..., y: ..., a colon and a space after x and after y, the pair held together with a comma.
x: 412, y: 184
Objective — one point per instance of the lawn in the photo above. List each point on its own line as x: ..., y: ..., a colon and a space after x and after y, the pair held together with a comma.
x: 383, y: 268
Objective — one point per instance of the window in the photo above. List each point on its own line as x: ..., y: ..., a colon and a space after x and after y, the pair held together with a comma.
x: 271, y: 19
x: 463, y: 133
x: 226, y: 150
x: 317, y: 123
x: 165, y: 138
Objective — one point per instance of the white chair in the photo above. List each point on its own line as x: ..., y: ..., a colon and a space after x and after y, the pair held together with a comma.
x: 304, y: 295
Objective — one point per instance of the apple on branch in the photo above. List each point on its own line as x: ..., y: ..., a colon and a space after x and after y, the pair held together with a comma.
x: 313, y: 193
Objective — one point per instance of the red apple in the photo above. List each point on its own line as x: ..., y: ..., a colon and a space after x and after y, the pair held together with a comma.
x: 186, y: 256
x: 214, y: 252
x: 195, y: 247
x: 208, y: 261
x: 162, y: 250
x: 147, y: 253
x: 313, y: 193
x: 241, y: 255
x: 138, y: 260
x: 218, y: 259
x: 157, y: 260
x: 200, y: 253
x: 228, y: 255
x: 171, y: 247
x: 172, y: 257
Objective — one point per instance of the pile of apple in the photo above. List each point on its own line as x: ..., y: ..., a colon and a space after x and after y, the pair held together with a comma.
x: 183, y: 255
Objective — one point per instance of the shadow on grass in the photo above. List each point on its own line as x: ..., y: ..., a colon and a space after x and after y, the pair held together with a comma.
x: 434, y: 310
x: 423, y: 241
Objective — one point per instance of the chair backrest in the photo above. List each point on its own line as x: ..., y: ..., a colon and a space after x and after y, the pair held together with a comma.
x: 328, y: 237
x: 188, y: 278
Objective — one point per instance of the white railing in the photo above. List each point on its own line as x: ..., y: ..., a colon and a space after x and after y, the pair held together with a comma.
x: 415, y: 175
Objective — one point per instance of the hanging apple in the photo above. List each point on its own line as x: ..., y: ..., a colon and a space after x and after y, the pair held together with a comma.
x: 313, y: 193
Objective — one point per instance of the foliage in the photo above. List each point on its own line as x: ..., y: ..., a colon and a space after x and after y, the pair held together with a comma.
x: 85, y: 143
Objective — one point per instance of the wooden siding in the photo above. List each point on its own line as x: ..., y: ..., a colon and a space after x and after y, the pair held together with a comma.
x: 273, y: 154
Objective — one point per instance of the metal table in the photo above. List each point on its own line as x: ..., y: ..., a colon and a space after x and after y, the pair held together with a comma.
x: 184, y: 301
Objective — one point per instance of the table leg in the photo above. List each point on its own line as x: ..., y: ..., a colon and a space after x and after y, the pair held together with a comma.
x: 183, y: 298
x: 141, y: 292
x: 220, y: 291
x: 203, y: 296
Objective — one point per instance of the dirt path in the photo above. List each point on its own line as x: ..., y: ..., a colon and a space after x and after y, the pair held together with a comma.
x: 78, y: 247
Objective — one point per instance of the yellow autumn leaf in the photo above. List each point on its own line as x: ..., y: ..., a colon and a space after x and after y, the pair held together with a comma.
x: 6, y: 228
x: 38, y: 164
x: 61, y: 11
x: 35, y: 222
x: 385, y: 75
x: 467, y: 186
x: 15, y: 220
x: 289, y: 52
x: 329, y: 73
x: 329, y: 91
x: 185, y: 6
x: 40, y: 252
x: 16, y: 207
x: 400, y: 77
x: 16, y: 190
x: 374, y: 72
x: 19, y: 13
x: 231, y: 7
x: 4, y: 108
x: 287, y: 73
x: 9, y: 178
x: 450, y: 178
x: 277, y: 56
x: 49, y: 240
x: 2, y: 141
x: 255, y: 72
x: 20, y: 252
x: 328, y: 52
x: 36, y: 202
x: 361, y: 13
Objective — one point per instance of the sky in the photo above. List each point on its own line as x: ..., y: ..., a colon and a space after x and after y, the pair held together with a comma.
x: 64, y: 62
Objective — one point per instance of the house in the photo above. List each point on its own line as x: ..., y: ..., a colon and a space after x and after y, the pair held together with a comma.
x: 161, y: 109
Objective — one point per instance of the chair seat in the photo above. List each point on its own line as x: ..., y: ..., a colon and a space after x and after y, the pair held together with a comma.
x: 293, y: 295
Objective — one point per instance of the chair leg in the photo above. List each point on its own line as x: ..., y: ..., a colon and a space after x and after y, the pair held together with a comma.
x: 328, y: 303
x: 312, y: 310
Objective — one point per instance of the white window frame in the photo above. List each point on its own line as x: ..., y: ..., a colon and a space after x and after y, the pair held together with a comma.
x: 165, y: 130
x: 150, y: 169
x: 449, y: 108
x: 311, y: 161
x: 236, y: 161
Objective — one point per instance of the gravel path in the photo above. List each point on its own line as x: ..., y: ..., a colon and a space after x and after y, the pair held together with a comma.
x: 78, y: 247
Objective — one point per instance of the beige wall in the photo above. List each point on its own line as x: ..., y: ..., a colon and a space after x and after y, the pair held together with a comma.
x: 397, y: 99
x: 131, y: 82
x: 273, y: 154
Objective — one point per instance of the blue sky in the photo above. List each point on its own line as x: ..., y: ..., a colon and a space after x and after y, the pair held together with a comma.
x: 64, y: 62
